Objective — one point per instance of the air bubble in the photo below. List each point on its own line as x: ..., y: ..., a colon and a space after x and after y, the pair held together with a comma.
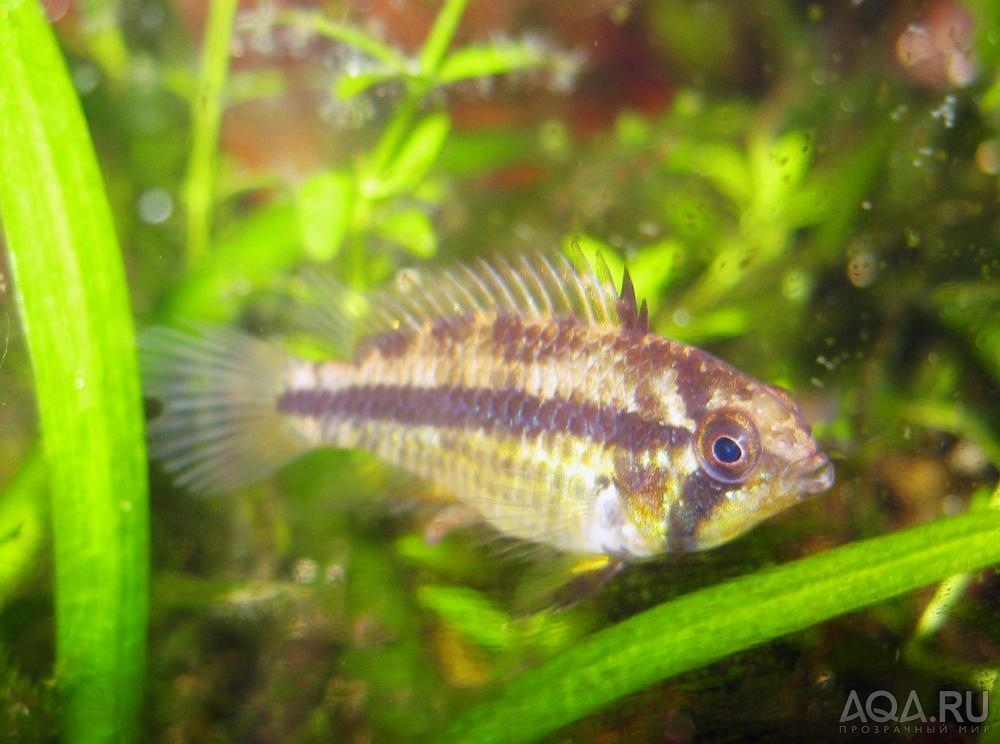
x: 826, y: 363
x: 334, y: 573
x: 988, y: 157
x: 85, y: 77
x: 946, y: 111
x: 861, y: 269
x: 649, y: 229
x: 155, y: 206
x: 305, y: 571
x: 151, y: 17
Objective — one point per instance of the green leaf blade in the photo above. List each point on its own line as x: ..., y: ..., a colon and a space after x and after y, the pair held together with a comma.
x: 411, y: 229
x: 71, y: 292
x: 483, y: 60
x: 349, y: 86
x: 415, y: 156
x: 709, y: 624
x: 441, y: 35
x: 325, y: 204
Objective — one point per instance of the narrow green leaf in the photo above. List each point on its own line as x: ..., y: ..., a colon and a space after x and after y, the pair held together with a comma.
x: 325, y: 203
x: 414, y: 158
x: 440, y: 36
x: 470, y: 613
x: 104, y: 36
x: 721, y: 164
x: 489, y: 59
x: 70, y: 289
x: 710, y: 624
x: 410, y: 228
x: 206, y: 117
x: 777, y: 167
x: 350, y: 85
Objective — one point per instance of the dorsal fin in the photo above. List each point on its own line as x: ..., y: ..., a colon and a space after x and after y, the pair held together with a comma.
x: 538, y: 285
x: 529, y: 285
x: 633, y: 317
x: 327, y: 311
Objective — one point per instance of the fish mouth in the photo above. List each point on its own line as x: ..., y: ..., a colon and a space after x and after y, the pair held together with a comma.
x: 817, y: 473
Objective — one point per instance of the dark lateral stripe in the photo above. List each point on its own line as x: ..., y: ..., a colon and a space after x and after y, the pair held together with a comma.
x: 507, y: 410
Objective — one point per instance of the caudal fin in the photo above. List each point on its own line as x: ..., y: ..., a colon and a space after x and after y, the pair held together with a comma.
x: 220, y: 427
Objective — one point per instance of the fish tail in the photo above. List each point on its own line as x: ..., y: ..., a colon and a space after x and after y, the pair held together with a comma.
x: 220, y: 426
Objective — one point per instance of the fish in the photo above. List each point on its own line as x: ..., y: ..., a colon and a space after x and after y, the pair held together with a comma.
x: 529, y: 388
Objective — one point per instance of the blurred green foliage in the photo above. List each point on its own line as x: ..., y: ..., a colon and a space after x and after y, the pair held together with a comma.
x: 785, y: 193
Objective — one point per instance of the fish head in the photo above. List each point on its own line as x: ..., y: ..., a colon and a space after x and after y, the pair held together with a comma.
x: 756, y: 457
x: 748, y: 454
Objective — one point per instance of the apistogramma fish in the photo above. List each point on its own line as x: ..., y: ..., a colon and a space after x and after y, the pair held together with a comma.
x: 528, y: 388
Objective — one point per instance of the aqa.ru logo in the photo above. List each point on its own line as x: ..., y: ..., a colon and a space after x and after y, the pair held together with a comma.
x: 881, y: 708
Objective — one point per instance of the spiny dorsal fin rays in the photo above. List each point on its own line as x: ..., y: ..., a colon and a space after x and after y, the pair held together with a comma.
x: 528, y: 285
x: 601, y: 281
x: 520, y: 294
x: 327, y: 310
x: 631, y: 316
x: 536, y: 285
x: 578, y: 269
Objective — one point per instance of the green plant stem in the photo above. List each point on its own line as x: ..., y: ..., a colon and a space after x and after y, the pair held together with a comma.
x: 345, y: 34
x: 206, y: 116
x: 712, y: 623
x: 104, y: 36
x: 394, y: 134
x: 431, y: 55
x: 70, y: 289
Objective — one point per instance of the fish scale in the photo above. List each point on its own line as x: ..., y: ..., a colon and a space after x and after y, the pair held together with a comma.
x: 538, y: 457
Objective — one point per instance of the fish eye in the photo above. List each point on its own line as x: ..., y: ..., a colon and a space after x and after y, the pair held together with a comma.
x: 727, y: 445
x: 727, y: 450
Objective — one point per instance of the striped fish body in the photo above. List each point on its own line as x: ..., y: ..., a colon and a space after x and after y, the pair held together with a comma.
x: 551, y: 411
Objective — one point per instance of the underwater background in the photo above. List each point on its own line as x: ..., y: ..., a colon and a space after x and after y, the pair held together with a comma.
x: 808, y: 190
